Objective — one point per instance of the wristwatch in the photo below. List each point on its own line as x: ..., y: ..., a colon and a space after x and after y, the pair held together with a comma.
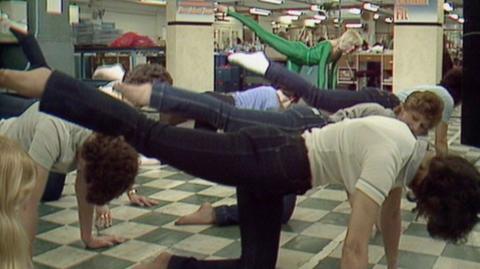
x: 131, y: 192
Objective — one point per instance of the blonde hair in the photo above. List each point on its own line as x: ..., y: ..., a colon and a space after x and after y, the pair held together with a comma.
x: 17, y: 179
x: 349, y: 39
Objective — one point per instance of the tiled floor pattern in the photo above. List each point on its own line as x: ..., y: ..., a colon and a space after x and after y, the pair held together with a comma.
x: 319, y: 220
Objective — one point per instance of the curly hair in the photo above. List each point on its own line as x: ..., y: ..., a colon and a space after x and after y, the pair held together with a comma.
x: 452, y: 82
x: 145, y: 73
x: 449, y: 198
x: 111, y: 165
x: 426, y: 103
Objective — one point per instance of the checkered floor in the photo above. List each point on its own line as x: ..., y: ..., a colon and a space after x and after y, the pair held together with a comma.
x: 312, y: 239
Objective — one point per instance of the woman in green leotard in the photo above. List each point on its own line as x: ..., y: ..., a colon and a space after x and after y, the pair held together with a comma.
x: 325, y: 54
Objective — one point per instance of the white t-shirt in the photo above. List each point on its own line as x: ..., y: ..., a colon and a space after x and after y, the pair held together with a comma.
x: 49, y: 141
x: 369, y: 154
x: 440, y: 91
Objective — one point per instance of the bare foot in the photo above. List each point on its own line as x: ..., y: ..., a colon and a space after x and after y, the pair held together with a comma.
x: 160, y: 262
x: 204, y: 215
x: 139, y: 95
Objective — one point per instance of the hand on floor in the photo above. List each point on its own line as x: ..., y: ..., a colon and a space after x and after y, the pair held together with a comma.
x: 142, y: 200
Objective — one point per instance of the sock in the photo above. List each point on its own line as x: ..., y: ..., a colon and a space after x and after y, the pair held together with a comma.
x: 256, y: 62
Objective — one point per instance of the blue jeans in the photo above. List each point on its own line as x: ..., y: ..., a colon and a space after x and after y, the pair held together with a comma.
x: 264, y: 163
x: 297, y: 119
x: 329, y: 100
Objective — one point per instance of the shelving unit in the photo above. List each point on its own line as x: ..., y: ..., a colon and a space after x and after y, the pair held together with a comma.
x: 125, y: 56
x: 365, y: 70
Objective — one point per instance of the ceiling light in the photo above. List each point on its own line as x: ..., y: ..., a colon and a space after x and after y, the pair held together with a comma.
x: 335, y: 20
x: 320, y: 17
x: 371, y: 7
x: 353, y: 25
x: 388, y: 20
x: 294, y: 12
x: 260, y: 11
x: 356, y: 11
x: 448, y: 7
x: 154, y: 2
x: 276, y: 2
x: 376, y: 16
x: 315, y: 8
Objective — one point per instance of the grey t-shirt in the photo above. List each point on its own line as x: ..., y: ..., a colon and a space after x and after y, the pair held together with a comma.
x: 49, y: 141
x: 360, y: 111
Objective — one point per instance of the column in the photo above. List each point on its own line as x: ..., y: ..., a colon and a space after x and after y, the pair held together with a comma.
x: 190, y: 44
x: 471, y: 69
x: 418, y: 40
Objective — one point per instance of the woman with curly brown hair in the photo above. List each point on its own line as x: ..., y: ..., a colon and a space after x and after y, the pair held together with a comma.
x: 372, y: 157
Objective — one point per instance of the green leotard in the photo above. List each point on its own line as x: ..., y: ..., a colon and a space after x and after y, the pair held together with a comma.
x: 297, y: 53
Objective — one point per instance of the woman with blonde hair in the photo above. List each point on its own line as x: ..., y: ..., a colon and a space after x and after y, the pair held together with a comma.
x: 17, y: 174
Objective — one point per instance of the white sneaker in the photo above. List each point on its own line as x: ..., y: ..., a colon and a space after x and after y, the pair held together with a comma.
x: 256, y: 62
x: 5, y: 23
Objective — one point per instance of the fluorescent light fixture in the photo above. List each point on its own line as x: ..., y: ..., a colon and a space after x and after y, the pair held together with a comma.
x: 371, y: 7
x: 353, y: 25
x: 260, y: 11
x: 292, y: 17
x: 154, y: 2
x: 461, y: 20
x: 448, y: 7
x: 376, y: 16
x: 294, y: 12
x: 335, y: 20
x: 276, y: 2
x: 320, y: 17
x: 388, y: 20
x: 453, y: 16
x: 315, y: 8
x: 356, y: 11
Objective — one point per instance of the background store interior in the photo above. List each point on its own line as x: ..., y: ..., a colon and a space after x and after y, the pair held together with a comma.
x: 95, y: 24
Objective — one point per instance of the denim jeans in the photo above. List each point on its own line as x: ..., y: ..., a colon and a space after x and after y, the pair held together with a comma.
x: 226, y: 98
x: 264, y: 163
x: 226, y: 215
x: 297, y: 119
x: 329, y: 100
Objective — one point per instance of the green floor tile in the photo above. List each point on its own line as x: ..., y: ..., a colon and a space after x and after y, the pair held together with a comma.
x: 104, y: 262
x: 45, y: 226
x: 462, y: 252
x: 155, y: 218
x: 335, y: 219
x: 164, y: 237
x: 180, y: 176
x: 44, y: 209
x: 199, y: 199
x: 143, y: 179
x: 328, y: 263
x: 306, y: 244
x: 335, y: 187
x: 412, y: 260
x: 41, y: 246
x: 169, y: 168
x: 230, y: 232
x: 41, y: 266
x: 295, y: 226
x: 191, y: 187
x: 231, y: 251
x: 146, y: 191
x: 315, y: 203
x: 417, y: 229
x: 408, y: 216
x: 332, y: 263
